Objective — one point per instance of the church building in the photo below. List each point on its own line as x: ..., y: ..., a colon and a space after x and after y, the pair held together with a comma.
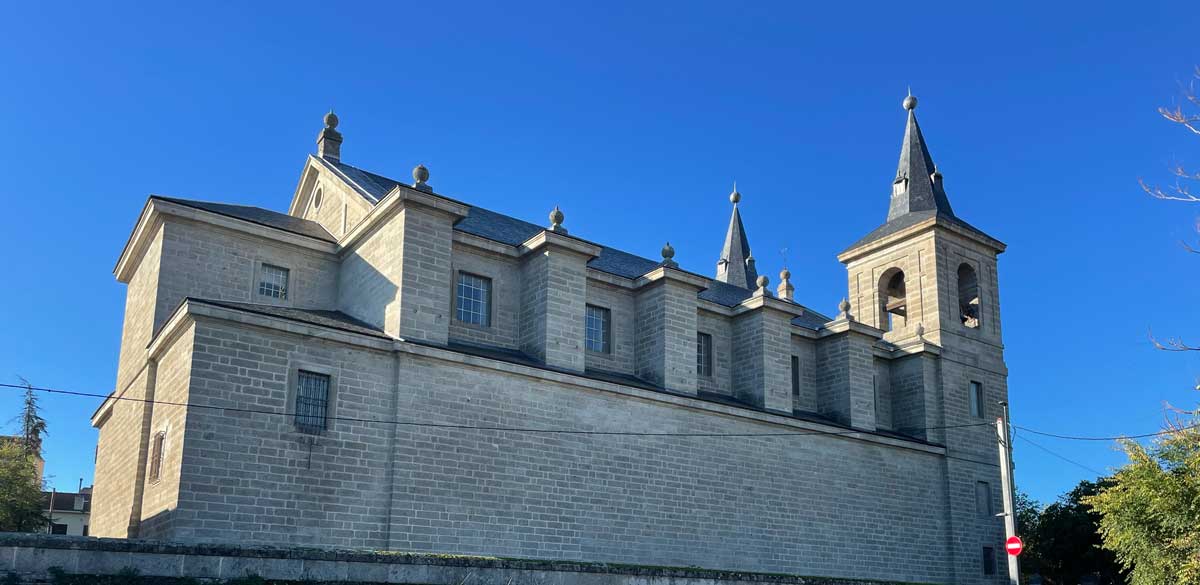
x: 386, y: 367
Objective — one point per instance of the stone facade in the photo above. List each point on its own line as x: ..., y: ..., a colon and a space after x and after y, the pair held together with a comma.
x: 845, y: 447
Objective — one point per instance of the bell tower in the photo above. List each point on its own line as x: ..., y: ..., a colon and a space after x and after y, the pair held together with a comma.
x: 924, y: 268
x: 928, y: 279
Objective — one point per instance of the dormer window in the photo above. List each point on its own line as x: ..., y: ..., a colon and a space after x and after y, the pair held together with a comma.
x: 273, y: 282
x: 899, y: 186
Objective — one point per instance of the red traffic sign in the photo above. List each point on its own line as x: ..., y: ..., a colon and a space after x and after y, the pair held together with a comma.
x: 1013, y: 545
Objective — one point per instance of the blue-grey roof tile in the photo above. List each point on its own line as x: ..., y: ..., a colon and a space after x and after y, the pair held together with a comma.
x: 259, y: 216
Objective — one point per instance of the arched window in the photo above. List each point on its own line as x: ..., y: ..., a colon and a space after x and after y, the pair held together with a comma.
x: 968, y: 295
x: 893, y: 303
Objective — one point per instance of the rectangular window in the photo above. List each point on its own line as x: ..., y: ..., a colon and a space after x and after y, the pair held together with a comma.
x: 983, y: 499
x: 58, y: 528
x: 156, y: 456
x: 976, y: 397
x: 597, y: 329
x: 704, y: 355
x: 312, y: 402
x: 795, y: 376
x: 273, y: 282
x: 989, y: 561
x: 474, y: 296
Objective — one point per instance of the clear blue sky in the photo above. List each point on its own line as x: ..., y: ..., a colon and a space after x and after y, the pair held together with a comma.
x: 635, y: 118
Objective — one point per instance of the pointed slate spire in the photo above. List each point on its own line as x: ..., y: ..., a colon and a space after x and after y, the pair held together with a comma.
x: 736, y: 265
x: 918, y: 184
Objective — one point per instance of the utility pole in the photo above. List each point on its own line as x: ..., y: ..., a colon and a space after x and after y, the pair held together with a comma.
x: 1006, y: 483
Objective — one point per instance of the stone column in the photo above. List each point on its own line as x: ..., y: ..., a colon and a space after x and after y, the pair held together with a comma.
x: 762, y: 351
x: 553, y: 297
x: 846, y: 362
x: 666, y: 323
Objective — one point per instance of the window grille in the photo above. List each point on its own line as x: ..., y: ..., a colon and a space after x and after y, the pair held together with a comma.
x: 156, y: 456
x: 983, y: 499
x: 273, y: 282
x: 597, y: 330
x: 795, y: 376
x: 976, y: 398
x: 474, y: 294
x: 704, y: 355
x: 312, y: 402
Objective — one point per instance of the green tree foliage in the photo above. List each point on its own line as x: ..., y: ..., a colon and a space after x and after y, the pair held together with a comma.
x: 1063, y: 543
x: 1151, y: 510
x: 33, y: 426
x: 20, y: 491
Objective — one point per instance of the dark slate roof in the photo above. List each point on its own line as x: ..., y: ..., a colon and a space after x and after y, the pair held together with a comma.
x: 924, y: 197
x: 375, y: 185
x: 916, y: 166
x: 331, y: 319
x: 512, y: 231
x: 260, y: 216
x: 909, y: 220
x: 735, y: 252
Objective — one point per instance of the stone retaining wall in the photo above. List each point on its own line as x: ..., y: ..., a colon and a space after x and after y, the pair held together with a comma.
x: 35, y: 557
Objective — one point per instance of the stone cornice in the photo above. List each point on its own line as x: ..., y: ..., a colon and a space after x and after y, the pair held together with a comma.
x: 844, y: 325
x: 918, y: 229
x: 156, y: 210
x: 665, y: 273
x: 767, y: 301
x: 396, y: 200
x: 547, y: 239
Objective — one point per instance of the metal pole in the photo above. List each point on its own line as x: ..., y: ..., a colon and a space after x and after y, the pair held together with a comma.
x: 1006, y: 484
x: 50, y: 515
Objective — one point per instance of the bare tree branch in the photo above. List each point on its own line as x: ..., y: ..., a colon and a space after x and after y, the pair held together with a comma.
x: 1179, y: 192
x: 1171, y: 344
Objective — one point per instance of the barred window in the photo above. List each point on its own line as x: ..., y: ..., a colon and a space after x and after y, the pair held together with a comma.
x: 312, y: 402
x: 983, y: 499
x: 273, y: 282
x: 474, y: 296
x: 795, y: 376
x: 598, y: 327
x: 976, y: 398
x: 156, y: 456
x: 704, y: 355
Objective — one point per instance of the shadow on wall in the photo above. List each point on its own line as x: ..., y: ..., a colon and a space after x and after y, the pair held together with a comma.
x: 158, y: 526
x: 364, y: 292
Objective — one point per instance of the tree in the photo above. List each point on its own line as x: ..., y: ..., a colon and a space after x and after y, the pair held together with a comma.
x: 20, y: 491
x: 1151, y: 510
x: 1068, y: 539
x: 1150, y: 514
x: 33, y: 426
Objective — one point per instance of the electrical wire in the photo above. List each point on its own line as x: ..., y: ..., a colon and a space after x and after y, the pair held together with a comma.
x: 1068, y: 460
x: 1116, y: 438
x: 468, y: 427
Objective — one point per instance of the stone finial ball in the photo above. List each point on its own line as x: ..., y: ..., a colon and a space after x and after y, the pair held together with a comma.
x: 910, y: 103
x: 785, y: 274
x: 844, y: 306
x: 668, y: 252
x: 331, y: 120
x: 420, y: 174
x: 556, y: 216
x: 762, y: 282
